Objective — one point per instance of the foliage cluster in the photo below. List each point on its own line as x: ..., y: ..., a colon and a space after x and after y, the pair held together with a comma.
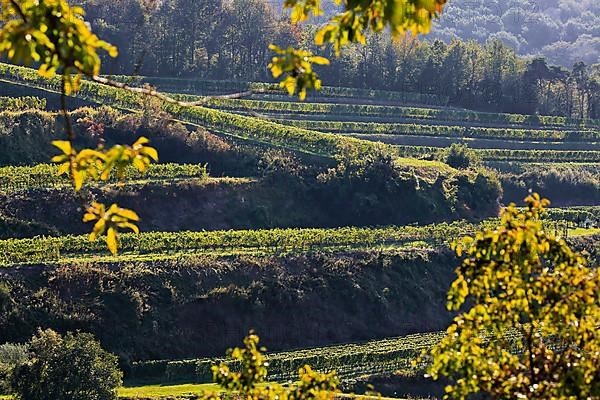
x: 488, y: 75
x: 461, y: 157
x: 73, y: 367
x: 520, y: 279
x: 566, y: 185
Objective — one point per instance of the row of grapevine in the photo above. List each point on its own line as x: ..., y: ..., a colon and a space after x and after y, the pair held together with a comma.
x: 40, y: 250
x: 52, y: 249
x: 509, y: 155
x: 350, y: 361
x: 400, y: 112
x: 16, y: 178
x: 575, y: 215
x: 203, y: 87
x: 444, y: 130
x: 22, y: 103
x: 511, y: 167
x: 244, y: 127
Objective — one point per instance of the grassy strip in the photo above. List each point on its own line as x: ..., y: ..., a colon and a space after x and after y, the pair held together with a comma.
x: 158, y: 391
x: 190, y: 390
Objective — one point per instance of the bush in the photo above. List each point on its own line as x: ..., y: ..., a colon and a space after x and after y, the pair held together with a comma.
x: 277, y: 166
x: 459, y: 156
x: 11, y: 356
x: 71, y: 368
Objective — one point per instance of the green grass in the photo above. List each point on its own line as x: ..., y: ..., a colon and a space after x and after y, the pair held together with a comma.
x: 170, y: 391
x: 160, y: 391
x: 149, y: 391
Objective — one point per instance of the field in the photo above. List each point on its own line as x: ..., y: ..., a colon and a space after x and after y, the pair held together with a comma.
x: 411, y: 131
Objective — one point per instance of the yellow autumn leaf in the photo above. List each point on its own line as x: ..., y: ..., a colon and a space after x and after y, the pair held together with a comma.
x: 63, y: 145
x: 111, y: 240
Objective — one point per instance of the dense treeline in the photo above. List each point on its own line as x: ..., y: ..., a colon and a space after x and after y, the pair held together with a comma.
x: 169, y: 39
x: 216, y: 38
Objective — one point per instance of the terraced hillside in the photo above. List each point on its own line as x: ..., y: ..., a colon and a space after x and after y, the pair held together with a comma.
x: 325, y: 223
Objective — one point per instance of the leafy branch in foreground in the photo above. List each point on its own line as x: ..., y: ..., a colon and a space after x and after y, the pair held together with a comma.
x: 297, y: 65
x: 110, y: 221
x: 55, y: 35
x: 349, y: 26
x: 532, y: 330
x: 99, y: 164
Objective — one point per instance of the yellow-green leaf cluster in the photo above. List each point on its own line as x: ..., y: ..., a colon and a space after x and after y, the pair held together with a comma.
x: 250, y: 382
x: 297, y: 66
x: 82, y: 165
x: 301, y: 9
x: 530, y: 328
x: 359, y: 16
x: 53, y: 34
x: 119, y: 157
x: 109, y: 221
x: 99, y: 164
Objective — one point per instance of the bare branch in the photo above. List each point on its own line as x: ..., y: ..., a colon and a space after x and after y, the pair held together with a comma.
x: 168, y: 99
x: 19, y: 10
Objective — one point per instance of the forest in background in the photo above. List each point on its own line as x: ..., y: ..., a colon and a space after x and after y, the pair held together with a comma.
x: 563, y: 31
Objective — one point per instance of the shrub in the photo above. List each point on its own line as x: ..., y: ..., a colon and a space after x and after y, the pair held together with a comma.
x: 11, y: 356
x: 277, y: 166
x: 71, y: 368
x: 461, y: 157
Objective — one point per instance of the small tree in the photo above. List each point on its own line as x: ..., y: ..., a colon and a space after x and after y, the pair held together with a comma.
x: 531, y: 330
x: 71, y: 368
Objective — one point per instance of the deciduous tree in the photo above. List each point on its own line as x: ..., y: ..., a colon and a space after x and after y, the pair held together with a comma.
x: 530, y: 306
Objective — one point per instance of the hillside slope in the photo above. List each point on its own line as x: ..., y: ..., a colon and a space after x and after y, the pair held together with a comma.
x: 203, y: 305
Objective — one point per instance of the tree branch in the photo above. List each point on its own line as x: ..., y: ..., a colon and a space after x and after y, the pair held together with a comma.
x: 168, y: 99
x: 19, y: 10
